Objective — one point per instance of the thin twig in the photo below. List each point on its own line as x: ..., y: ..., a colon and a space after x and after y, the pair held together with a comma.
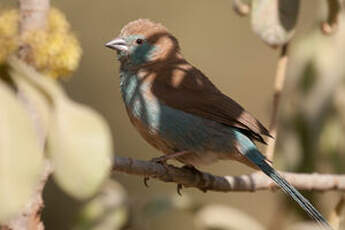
x: 33, y: 16
x: 278, y: 87
x: 241, y: 8
x: 336, y: 214
x: 206, y: 181
x: 334, y: 9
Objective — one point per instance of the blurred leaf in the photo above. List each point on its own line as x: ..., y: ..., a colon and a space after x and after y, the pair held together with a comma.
x: 79, y: 140
x: 274, y: 20
x: 108, y: 210
x: 334, y: 9
x: 336, y: 215
x: 48, y: 86
x: 326, y: 58
x: 308, y: 80
x: 20, y: 154
x: 225, y: 218
x: 80, y: 147
x: 36, y: 101
x: 331, y: 136
x: 158, y: 205
x: 303, y: 226
x: 328, y: 68
x: 184, y: 202
x: 339, y: 102
x: 241, y: 7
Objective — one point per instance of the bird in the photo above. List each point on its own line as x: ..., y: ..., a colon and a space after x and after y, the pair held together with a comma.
x: 180, y: 112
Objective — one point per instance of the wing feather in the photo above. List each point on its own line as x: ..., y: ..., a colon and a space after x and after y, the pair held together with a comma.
x: 182, y: 86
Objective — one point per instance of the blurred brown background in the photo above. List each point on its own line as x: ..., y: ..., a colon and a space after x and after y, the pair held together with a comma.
x: 214, y: 39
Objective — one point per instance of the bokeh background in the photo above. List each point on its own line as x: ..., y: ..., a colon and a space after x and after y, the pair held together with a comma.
x: 224, y: 47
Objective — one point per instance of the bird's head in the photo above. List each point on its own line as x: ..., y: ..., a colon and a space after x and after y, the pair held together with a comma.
x: 143, y: 42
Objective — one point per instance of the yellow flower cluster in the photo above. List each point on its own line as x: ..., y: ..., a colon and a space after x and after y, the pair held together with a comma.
x: 8, y: 33
x: 55, y: 51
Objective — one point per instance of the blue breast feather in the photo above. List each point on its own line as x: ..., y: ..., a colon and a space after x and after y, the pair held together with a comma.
x: 184, y: 130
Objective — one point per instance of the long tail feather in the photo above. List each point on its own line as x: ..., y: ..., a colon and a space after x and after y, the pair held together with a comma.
x: 246, y: 147
x: 297, y: 196
x: 288, y: 189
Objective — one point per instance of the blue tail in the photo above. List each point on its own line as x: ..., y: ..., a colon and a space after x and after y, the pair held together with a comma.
x: 249, y: 150
x: 290, y: 190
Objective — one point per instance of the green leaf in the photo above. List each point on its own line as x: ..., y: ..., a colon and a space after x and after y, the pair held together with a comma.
x: 274, y: 20
x: 21, y: 157
x: 108, y: 210
x: 79, y: 140
x: 80, y: 147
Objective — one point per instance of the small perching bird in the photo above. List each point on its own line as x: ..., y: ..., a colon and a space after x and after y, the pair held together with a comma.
x: 178, y: 110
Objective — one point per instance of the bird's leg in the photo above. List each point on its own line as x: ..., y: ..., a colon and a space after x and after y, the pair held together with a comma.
x: 162, y: 160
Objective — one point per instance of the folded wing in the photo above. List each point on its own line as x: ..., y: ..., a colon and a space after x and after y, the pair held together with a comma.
x: 182, y: 86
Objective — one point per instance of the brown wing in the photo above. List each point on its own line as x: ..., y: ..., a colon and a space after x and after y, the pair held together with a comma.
x: 182, y: 86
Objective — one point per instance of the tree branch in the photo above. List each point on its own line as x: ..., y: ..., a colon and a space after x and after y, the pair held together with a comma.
x: 278, y: 87
x: 206, y: 181
x: 33, y: 16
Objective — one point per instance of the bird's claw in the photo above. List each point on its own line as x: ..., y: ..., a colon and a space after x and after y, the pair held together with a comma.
x: 146, y: 179
x: 203, y: 190
x: 160, y: 160
x: 195, y: 171
x: 163, y: 160
x: 179, y: 188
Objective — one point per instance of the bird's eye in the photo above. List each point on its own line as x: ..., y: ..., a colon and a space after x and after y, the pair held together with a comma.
x: 139, y: 41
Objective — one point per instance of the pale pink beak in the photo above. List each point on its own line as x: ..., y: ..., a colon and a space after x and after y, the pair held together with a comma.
x: 117, y: 44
